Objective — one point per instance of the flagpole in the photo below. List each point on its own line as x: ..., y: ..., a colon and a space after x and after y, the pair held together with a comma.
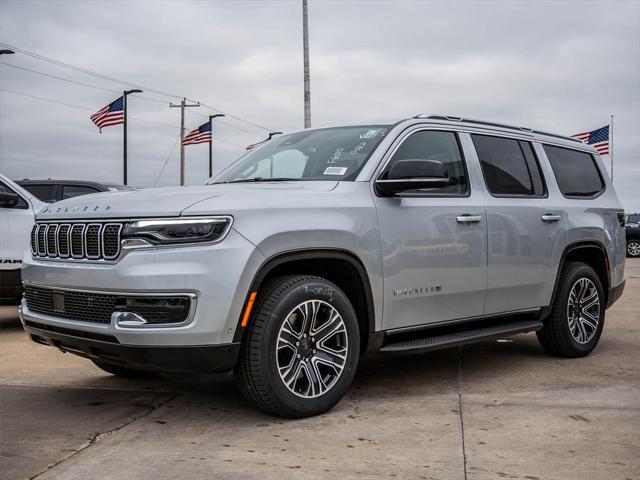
x: 124, y: 126
x: 611, y: 145
x: 124, y: 136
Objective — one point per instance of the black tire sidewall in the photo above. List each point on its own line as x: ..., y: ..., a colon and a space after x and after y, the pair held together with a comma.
x: 313, y: 289
x: 576, y: 272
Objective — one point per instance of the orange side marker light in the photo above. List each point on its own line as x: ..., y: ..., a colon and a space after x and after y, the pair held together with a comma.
x: 247, y: 310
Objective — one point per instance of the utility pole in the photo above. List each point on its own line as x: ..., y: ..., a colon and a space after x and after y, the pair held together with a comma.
x: 124, y: 127
x: 183, y: 105
x: 211, y: 117
x: 307, y: 81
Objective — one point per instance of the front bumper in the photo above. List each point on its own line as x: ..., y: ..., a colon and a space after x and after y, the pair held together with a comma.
x: 218, y: 276
x: 107, y: 349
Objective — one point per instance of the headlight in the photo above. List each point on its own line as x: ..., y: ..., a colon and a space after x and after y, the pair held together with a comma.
x: 179, y: 230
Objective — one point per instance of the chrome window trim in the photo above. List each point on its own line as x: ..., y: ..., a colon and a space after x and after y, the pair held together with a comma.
x: 193, y: 301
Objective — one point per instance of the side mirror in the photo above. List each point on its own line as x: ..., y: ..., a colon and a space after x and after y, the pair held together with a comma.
x: 8, y: 199
x: 413, y: 174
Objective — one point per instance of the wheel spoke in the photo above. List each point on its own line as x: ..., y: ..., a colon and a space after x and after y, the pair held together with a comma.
x: 291, y: 373
x: 331, y: 358
x: 288, y: 334
x: 316, y: 385
x: 329, y: 328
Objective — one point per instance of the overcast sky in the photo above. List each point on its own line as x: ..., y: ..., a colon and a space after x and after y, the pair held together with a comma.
x: 557, y: 66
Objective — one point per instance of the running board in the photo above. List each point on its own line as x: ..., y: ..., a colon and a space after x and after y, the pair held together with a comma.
x: 463, y: 337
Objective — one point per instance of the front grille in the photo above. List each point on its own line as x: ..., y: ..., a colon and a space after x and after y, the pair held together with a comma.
x: 82, y: 306
x: 97, y: 307
x: 88, y: 241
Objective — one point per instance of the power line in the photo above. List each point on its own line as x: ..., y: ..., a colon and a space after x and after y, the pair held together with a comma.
x: 85, y: 71
x: 44, y: 99
x: 78, y: 83
x: 236, y: 118
x: 168, y: 157
x: 117, y: 80
x: 227, y: 124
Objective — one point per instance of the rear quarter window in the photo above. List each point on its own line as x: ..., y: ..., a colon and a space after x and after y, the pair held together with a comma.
x: 576, y: 172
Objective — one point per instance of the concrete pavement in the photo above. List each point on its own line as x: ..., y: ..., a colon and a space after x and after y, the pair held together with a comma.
x: 488, y: 411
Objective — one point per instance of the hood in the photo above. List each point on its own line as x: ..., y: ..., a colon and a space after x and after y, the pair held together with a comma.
x: 174, y: 201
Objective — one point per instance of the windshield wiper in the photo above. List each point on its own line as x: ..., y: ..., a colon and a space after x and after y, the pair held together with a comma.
x: 262, y: 179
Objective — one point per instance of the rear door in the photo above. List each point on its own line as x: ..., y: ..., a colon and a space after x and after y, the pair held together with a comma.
x: 526, y: 228
x: 433, y: 241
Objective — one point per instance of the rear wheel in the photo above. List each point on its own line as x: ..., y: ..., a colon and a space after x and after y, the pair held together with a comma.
x: 633, y: 248
x: 124, y: 371
x: 575, y: 324
x: 301, y: 352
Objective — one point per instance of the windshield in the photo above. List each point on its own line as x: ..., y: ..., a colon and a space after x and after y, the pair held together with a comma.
x: 324, y: 154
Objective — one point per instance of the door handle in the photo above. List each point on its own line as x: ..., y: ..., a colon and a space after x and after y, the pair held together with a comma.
x: 549, y: 217
x: 468, y: 218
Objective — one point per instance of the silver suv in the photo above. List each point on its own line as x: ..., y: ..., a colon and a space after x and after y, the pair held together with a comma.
x: 324, y: 244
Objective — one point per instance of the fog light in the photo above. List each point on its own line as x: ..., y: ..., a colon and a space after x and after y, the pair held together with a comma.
x: 148, y: 311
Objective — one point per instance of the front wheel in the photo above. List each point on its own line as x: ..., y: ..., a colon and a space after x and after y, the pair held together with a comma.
x: 302, y: 350
x: 633, y: 248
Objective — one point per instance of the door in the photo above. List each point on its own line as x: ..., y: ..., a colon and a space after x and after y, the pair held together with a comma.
x: 433, y: 240
x: 526, y: 230
x: 16, y: 222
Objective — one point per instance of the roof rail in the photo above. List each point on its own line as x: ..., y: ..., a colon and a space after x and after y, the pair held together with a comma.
x: 452, y: 118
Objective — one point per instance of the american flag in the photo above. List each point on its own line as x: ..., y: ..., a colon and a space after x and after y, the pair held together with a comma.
x: 202, y: 134
x: 112, y: 114
x: 598, y: 138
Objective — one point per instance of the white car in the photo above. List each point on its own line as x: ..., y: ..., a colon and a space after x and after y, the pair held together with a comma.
x: 18, y: 209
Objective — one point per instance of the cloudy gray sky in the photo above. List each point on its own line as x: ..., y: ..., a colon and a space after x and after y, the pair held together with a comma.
x: 558, y: 66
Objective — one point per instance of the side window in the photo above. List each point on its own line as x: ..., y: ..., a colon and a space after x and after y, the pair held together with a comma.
x: 435, y: 145
x: 43, y: 192
x: 576, y: 172
x: 509, y: 166
x: 70, y: 191
x: 22, y: 203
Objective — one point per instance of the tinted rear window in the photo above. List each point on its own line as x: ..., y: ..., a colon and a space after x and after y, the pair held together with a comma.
x: 576, y: 172
x: 509, y: 166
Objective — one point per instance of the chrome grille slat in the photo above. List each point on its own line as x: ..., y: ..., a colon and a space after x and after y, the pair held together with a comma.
x: 63, y: 241
x: 52, y: 241
x: 91, y: 241
x: 77, y: 240
x: 34, y: 239
x: 42, y: 246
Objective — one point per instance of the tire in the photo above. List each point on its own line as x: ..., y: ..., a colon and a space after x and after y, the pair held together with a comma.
x: 124, y: 371
x: 633, y: 248
x: 271, y: 370
x: 574, y: 330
